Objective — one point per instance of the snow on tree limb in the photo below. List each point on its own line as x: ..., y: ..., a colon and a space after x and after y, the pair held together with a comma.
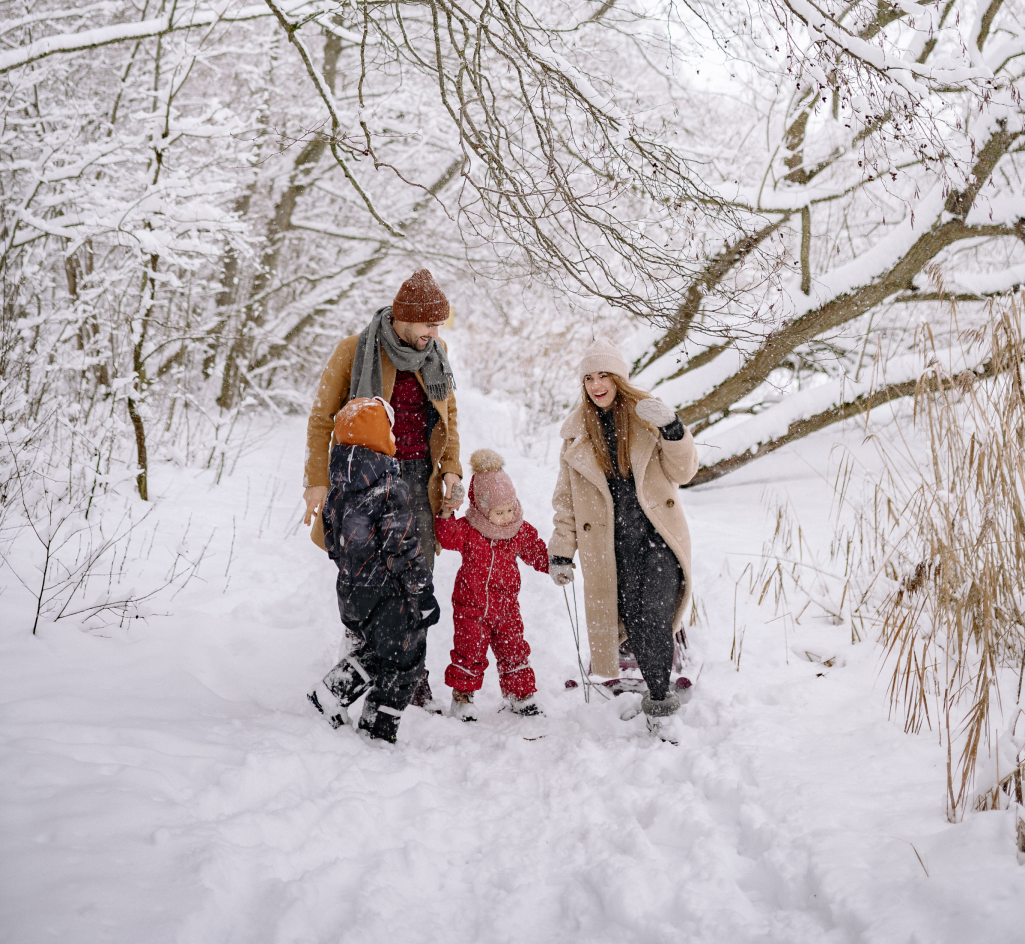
x: 900, y: 70
x: 292, y: 31
x: 64, y: 43
x: 809, y: 411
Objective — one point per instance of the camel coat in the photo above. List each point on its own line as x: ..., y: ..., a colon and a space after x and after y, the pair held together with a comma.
x: 333, y: 394
x: 585, y: 516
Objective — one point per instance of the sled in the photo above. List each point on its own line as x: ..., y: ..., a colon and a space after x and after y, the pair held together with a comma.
x: 630, y: 678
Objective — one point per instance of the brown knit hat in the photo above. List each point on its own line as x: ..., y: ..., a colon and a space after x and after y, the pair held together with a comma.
x: 366, y: 422
x: 420, y: 300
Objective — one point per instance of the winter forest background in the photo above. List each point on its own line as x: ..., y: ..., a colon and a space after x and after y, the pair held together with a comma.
x: 804, y: 220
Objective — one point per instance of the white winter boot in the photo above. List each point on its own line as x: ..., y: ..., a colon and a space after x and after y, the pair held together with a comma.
x: 525, y: 707
x: 462, y: 706
x: 662, y: 718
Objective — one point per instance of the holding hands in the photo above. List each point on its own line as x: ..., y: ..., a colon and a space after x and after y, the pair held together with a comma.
x: 562, y: 574
x: 455, y: 492
x: 654, y: 411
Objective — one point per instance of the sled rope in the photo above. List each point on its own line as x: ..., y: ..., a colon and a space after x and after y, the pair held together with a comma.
x: 574, y: 622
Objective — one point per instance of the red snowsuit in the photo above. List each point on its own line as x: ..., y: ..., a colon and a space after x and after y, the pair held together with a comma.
x: 485, y: 605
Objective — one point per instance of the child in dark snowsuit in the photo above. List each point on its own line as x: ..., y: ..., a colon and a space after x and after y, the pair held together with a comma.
x: 485, y: 605
x: 385, y: 592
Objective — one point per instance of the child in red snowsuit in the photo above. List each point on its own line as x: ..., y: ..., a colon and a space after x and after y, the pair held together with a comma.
x: 485, y: 600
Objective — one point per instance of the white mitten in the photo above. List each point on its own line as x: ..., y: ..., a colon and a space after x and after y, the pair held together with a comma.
x: 562, y: 574
x: 654, y: 411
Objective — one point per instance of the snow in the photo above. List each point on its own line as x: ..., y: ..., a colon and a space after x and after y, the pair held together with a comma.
x: 723, y: 442
x: 120, y: 32
x: 899, y: 70
x: 167, y: 782
x: 992, y: 282
x: 695, y: 383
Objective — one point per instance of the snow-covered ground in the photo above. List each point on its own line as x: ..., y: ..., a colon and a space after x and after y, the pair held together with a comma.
x: 166, y: 782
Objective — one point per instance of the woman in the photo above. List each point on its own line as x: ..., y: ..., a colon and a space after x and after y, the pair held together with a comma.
x: 623, y: 457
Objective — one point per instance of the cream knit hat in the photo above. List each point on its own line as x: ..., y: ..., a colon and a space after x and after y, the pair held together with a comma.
x: 603, y: 356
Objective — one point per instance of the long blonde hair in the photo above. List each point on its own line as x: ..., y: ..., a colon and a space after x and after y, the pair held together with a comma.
x: 624, y: 412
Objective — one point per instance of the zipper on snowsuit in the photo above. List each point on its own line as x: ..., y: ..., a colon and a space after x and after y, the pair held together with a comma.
x: 487, y: 584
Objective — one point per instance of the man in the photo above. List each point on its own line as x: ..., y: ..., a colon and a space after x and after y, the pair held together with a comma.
x: 400, y: 357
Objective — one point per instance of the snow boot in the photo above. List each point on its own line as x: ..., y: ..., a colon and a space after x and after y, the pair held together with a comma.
x: 424, y: 698
x: 632, y: 710
x: 627, y: 659
x: 325, y: 703
x: 661, y: 717
x: 348, y: 680
x: 380, y: 722
x: 526, y: 707
x: 462, y: 706
x: 663, y: 729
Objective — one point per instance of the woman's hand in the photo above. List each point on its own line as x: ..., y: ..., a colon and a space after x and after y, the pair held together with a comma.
x: 654, y: 411
x: 314, y: 497
x: 562, y: 574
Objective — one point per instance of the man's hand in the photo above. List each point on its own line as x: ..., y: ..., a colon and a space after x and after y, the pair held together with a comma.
x: 451, y: 502
x: 314, y: 497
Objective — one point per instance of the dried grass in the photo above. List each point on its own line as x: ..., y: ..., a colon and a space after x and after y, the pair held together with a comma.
x: 934, y: 563
x: 954, y: 624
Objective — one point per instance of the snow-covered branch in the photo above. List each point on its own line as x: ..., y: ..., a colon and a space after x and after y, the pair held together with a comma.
x: 198, y: 16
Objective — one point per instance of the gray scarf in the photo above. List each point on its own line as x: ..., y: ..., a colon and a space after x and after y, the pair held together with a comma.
x: 366, y: 365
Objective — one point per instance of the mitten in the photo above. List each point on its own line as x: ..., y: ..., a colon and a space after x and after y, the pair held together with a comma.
x: 415, y: 585
x: 430, y: 612
x: 654, y: 411
x: 562, y: 574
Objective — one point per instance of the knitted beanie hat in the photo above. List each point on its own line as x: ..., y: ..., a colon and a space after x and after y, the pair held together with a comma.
x: 490, y: 488
x: 420, y: 300
x: 366, y: 422
x: 602, y: 356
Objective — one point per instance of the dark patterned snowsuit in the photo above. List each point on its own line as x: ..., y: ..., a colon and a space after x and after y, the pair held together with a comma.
x: 370, y: 532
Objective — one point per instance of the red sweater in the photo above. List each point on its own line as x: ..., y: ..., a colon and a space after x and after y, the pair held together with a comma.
x: 412, y: 414
x: 489, y: 578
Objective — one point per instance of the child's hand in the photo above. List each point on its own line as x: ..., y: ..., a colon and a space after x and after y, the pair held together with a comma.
x: 430, y: 612
x: 454, y: 494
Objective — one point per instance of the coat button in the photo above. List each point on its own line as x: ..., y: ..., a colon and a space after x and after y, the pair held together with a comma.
x: 670, y: 503
x: 587, y: 527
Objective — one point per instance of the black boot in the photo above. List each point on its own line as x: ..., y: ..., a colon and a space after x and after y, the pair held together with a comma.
x: 380, y: 721
x: 423, y: 697
x: 323, y: 701
x: 348, y: 680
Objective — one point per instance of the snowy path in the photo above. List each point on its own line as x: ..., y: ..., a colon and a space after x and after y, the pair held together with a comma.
x: 166, y: 783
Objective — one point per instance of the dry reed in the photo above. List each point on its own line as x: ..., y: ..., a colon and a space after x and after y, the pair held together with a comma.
x: 954, y: 623
x: 936, y: 562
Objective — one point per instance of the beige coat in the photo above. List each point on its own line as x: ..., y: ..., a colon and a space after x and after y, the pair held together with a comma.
x: 333, y: 394
x: 584, y: 520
